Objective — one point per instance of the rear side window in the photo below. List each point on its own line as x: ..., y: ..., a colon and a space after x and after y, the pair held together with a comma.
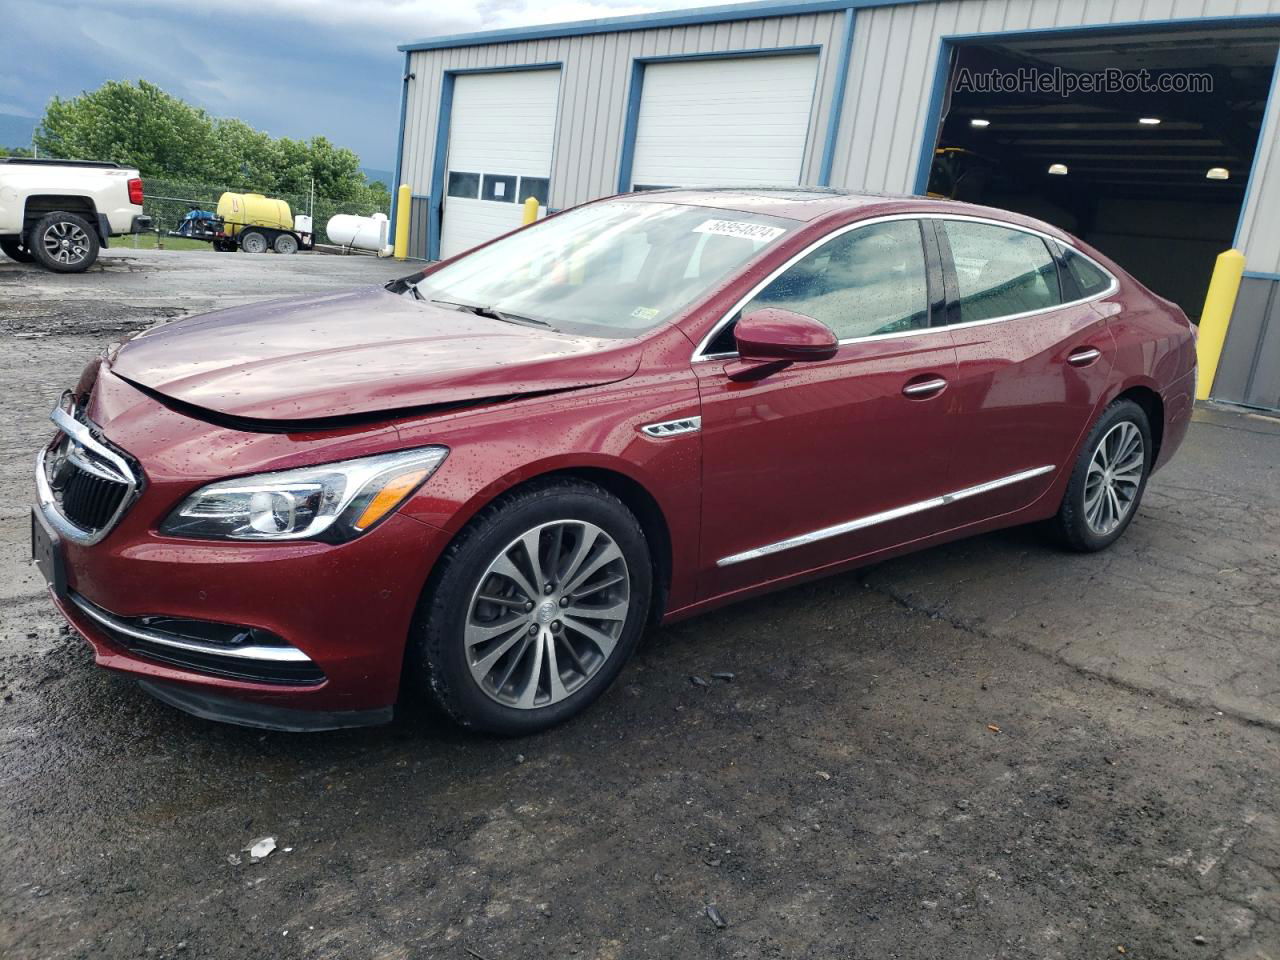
x: 1090, y: 279
x: 1000, y: 272
x: 865, y: 282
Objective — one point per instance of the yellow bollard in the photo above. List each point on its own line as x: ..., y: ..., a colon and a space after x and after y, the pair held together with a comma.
x: 402, y: 221
x: 530, y: 211
x: 1218, y: 304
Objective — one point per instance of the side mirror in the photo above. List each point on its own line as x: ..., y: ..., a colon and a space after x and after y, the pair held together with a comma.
x: 772, y: 334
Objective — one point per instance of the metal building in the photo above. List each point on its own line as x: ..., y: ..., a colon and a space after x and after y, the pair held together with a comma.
x: 863, y: 94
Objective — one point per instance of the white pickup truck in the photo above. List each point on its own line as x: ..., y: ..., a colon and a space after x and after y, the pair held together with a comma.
x: 58, y: 213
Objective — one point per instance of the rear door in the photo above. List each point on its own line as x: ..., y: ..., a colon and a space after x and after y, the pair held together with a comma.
x: 1034, y: 357
x: 819, y: 462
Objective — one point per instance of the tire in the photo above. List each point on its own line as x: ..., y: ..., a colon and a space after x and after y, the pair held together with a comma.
x: 14, y: 250
x: 1091, y: 518
x: 63, y: 242
x: 252, y: 241
x: 477, y: 658
x: 224, y: 246
x: 285, y: 243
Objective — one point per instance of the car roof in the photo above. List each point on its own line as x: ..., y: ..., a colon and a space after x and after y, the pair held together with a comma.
x: 806, y: 203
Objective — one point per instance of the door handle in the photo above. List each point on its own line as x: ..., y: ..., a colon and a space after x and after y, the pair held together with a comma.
x: 1083, y: 356
x: 923, y: 389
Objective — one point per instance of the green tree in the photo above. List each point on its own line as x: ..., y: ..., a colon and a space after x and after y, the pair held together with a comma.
x: 167, y: 138
x: 23, y: 152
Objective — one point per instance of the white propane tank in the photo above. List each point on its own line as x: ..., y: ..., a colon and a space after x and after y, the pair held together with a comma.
x: 363, y: 233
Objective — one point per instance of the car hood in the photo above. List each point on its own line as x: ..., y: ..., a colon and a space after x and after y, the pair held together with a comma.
x: 356, y: 353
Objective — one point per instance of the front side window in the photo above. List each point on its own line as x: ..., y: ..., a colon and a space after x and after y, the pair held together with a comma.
x: 612, y: 269
x: 1000, y: 271
x: 867, y: 282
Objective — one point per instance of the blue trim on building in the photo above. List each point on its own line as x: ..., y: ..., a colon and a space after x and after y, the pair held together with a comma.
x: 837, y: 100
x: 1259, y: 275
x: 933, y: 119
x: 404, y: 106
x: 435, y: 207
x: 1257, y: 150
x: 631, y: 123
x: 650, y: 21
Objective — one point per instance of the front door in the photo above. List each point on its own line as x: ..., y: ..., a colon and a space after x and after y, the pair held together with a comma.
x: 823, y: 461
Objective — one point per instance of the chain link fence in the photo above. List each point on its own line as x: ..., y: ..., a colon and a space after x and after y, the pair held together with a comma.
x: 168, y: 201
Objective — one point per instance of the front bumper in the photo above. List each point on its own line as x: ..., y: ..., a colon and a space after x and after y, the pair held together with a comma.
x: 294, y: 635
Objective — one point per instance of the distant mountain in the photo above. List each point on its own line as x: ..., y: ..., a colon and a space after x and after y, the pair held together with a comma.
x: 15, y: 131
x: 371, y: 174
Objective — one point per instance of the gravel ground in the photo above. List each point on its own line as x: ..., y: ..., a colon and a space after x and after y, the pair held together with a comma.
x: 991, y: 749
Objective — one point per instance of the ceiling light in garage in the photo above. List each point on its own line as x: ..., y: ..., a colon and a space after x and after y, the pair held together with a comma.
x: 1058, y: 169
x: 1149, y: 121
x: 1218, y: 173
x: 979, y: 122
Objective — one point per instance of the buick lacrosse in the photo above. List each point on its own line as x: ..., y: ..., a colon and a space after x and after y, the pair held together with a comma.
x: 482, y: 483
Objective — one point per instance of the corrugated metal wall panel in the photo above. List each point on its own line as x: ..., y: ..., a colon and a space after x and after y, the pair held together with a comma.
x: 594, y: 89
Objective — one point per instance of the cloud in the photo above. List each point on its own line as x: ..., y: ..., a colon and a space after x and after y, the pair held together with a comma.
x: 295, y: 68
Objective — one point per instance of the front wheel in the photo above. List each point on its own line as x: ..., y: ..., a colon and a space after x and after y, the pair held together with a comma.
x: 535, y: 608
x: 1108, y: 480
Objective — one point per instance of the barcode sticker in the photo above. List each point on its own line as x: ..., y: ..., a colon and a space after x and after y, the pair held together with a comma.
x: 740, y: 228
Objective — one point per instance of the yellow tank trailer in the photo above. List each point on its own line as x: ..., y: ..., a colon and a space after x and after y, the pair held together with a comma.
x: 252, y: 222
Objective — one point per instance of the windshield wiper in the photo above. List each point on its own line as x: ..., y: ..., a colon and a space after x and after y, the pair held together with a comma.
x: 492, y: 314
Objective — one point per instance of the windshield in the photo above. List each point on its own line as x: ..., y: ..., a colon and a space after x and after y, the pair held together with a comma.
x: 611, y: 269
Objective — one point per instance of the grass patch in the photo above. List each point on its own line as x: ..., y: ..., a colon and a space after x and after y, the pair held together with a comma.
x: 147, y: 241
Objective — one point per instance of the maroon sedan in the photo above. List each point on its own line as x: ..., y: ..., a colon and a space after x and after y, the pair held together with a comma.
x: 480, y: 484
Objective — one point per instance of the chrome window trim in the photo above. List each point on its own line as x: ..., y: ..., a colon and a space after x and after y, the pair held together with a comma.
x: 282, y: 654
x: 699, y: 355
x: 861, y: 523
x: 48, y: 503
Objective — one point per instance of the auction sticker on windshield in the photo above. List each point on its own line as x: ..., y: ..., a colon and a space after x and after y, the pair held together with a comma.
x: 738, y: 228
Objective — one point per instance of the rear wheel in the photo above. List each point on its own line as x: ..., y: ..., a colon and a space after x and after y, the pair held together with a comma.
x: 63, y: 242
x: 285, y: 243
x: 14, y: 250
x: 251, y: 241
x: 536, y: 607
x: 1108, y: 480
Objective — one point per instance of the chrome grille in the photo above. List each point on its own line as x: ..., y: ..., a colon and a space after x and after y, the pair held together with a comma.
x: 84, y: 485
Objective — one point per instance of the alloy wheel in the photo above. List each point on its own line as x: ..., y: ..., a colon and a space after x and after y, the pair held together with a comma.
x: 547, y: 614
x: 1114, y: 476
x: 65, y: 242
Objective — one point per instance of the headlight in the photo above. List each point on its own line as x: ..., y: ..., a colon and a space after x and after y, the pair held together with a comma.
x: 332, y: 501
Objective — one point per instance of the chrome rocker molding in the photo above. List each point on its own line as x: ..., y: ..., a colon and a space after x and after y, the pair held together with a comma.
x: 283, y: 654
x: 673, y: 428
x: 870, y: 521
x: 110, y: 466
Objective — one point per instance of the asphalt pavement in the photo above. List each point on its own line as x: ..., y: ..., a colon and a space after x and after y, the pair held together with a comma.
x: 989, y: 749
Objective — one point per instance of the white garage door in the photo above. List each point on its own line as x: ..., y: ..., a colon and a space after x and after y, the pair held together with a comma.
x: 727, y: 122
x: 501, y: 132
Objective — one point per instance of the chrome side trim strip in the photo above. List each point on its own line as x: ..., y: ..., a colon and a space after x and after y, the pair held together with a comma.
x: 672, y: 428
x: 861, y: 523
x: 700, y: 355
x: 273, y: 654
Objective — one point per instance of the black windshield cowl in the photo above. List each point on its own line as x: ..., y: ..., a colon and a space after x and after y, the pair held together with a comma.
x: 490, y: 312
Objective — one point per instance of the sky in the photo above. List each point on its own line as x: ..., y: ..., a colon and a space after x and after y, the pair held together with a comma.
x: 295, y: 68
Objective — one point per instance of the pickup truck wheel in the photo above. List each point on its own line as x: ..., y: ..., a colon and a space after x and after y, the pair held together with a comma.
x: 63, y: 242
x: 14, y: 250
x: 251, y: 241
x: 286, y: 243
